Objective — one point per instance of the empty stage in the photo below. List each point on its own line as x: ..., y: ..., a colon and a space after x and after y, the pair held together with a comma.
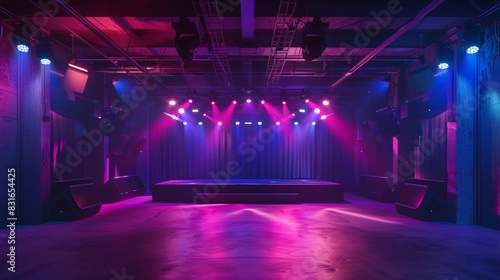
x: 248, y: 191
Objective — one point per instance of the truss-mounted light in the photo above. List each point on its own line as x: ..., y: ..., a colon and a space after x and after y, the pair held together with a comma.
x: 444, y: 58
x: 186, y: 38
x: 44, y: 52
x: 314, y: 39
x: 20, y: 41
x: 472, y: 39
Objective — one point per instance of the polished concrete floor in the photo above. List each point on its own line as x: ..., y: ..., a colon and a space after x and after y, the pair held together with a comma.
x: 359, y: 239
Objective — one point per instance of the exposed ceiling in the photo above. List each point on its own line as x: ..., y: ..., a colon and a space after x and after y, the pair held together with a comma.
x: 127, y: 37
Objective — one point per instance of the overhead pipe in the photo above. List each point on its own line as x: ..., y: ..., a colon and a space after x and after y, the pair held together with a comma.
x: 423, y: 13
x: 63, y: 4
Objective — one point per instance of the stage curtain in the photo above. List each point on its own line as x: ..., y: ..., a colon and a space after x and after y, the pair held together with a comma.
x: 209, y: 151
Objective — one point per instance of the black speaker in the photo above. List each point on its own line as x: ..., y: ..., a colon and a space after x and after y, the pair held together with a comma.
x: 376, y: 188
x: 73, y: 200
x: 423, y: 199
x: 121, y: 188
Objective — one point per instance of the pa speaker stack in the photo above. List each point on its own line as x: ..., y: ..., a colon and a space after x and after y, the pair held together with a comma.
x: 423, y: 199
x: 376, y: 188
x: 73, y: 200
x: 121, y: 188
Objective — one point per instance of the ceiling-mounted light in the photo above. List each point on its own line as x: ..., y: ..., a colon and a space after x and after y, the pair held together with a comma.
x: 186, y: 38
x: 20, y: 41
x: 44, y: 52
x: 472, y: 39
x: 444, y: 58
x: 314, y: 39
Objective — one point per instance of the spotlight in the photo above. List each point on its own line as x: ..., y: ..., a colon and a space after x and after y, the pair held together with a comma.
x: 307, y: 100
x: 296, y: 123
x: 293, y: 114
x: 259, y: 123
x: 195, y: 110
x: 317, y: 111
x: 219, y: 123
x: 204, y: 114
x: 284, y: 102
x: 186, y: 38
x: 190, y: 100
x: 184, y: 123
x: 262, y: 102
x: 172, y: 102
x: 44, y: 52
x: 445, y: 58
x: 326, y: 102
x: 249, y: 100
x: 302, y: 110
x: 314, y: 39
x: 278, y: 123
x: 114, y: 80
x: 213, y: 102
x: 472, y: 39
x: 237, y: 123
x: 387, y: 80
x: 323, y: 117
x: 181, y: 111
x: 247, y: 123
x: 20, y: 41
x: 235, y: 102
x: 200, y: 123
x: 313, y: 123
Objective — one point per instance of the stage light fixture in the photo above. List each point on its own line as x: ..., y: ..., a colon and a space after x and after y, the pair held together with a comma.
x: 283, y: 102
x: 313, y: 123
x: 172, y: 102
x: 204, y: 114
x: 190, y: 100
x: 186, y: 38
x: 249, y: 100
x: 235, y: 102
x: 444, y: 57
x: 317, y: 111
x: 472, y: 39
x: 302, y: 110
x: 387, y: 80
x: 213, y: 102
x: 278, y: 123
x: 181, y: 111
x: 326, y: 102
x: 44, y: 52
x: 184, y: 123
x: 262, y: 102
x: 20, y: 41
x: 296, y: 123
x: 200, y: 123
x: 307, y: 100
x: 195, y: 110
x: 237, y: 123
x: 314, y: 39
x: 248, y: 123
x: 219, y: 123
x: 259, y: 123
x: 323, y: 117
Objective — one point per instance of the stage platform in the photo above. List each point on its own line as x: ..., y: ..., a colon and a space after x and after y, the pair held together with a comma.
x: 264, y: 191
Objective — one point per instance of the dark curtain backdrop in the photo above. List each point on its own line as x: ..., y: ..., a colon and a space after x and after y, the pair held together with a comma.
x: 268, y: 151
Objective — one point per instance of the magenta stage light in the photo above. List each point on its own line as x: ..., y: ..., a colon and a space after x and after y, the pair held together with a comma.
x: 213, y: 102
x: 317, y: 111
x: 323, y: 117
x: 293, y: 114
x: 172, y: 102
x: 204, y: 114
x: 219, y: 123
x: 326, y: 102
x: 190, y: 100
x: 278, y: 123
x: 249, y: 101
x: 195, y: 110
x: 302, y: 110
x: 307, y: 100
x: 284, y: 102
x: 181, y: 111
x: 263, y: 102
x: 234, y: 102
